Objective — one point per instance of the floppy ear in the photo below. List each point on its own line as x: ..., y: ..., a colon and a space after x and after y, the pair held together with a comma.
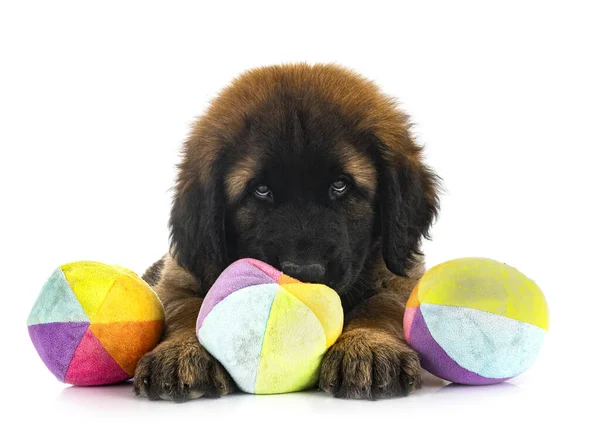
x: 197, y: 226
x: 408, y: 205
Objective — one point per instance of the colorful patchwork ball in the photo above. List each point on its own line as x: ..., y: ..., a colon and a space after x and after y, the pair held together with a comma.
x: 476, y: 321
x: 93, y: 322
x: 269, y: 330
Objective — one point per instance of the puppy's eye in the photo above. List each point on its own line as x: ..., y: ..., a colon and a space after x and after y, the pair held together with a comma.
x: 339, y: 186
x: 263, y: 192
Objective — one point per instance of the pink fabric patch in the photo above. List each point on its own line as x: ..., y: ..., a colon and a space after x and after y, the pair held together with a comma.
x: 92, y: 365
x: 409, y: 316
x: 265, y: 268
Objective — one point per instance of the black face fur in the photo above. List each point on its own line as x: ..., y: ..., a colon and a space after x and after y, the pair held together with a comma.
x: 303, y: 221
x: 297, y: 149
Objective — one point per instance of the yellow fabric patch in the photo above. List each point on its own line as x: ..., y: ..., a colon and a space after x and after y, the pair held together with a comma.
x: 324, y: 303
x: 130, y: 299
x: 90, y: 282
x: 486, y: 285
x: 294, y: 344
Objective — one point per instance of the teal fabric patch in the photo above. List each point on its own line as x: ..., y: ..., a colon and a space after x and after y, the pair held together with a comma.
x: 57, y: 303
x: 233, y: 331
x: 488, y: 344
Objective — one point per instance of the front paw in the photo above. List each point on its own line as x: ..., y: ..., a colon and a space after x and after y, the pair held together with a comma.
x: 181, y: 369
x: 370, y: 364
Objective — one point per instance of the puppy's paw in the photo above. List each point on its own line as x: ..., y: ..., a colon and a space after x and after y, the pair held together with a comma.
x: 369, y: 364
x: 181, y: 369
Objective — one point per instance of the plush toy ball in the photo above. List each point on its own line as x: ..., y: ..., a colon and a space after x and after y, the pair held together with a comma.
x: 476, y: 321
x: 268, y: 330
x: 92, y: 323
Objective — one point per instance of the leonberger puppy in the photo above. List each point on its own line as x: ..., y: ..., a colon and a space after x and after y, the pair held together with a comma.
x: 312, y: 169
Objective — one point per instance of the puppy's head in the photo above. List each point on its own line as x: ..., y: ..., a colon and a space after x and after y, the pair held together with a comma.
x: 309, y: 168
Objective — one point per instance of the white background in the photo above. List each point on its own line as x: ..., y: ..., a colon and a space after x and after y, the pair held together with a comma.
x: 96, y: 98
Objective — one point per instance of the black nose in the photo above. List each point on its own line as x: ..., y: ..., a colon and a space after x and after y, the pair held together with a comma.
x: 312, y: 273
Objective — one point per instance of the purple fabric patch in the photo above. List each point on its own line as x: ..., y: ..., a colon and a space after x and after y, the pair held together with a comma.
x: 56, y: 344
x: 435, y: 360
x: 240, y: 274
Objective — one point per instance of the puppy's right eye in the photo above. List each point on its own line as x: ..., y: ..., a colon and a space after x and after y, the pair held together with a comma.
x: 263, y: 192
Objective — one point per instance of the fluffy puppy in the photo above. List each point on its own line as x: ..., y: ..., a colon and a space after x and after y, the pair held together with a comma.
x: 312, y: 169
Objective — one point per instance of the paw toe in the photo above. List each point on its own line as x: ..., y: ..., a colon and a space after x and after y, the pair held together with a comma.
x: 360, y: 368
x: 330, y: 375
x: 180, y: 371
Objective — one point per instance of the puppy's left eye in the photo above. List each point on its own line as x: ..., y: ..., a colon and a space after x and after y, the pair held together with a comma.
x: 339, y: 186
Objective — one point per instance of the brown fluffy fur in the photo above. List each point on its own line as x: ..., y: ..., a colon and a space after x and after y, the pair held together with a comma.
x: 359, y: 99
x: 371, y: 359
